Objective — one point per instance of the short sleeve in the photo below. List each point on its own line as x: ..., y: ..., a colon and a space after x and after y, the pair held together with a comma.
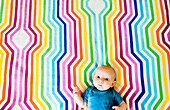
x: 117, y: 98
x: 85, y: 95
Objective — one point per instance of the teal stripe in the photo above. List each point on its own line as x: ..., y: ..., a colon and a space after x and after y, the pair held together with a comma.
x: 42, y: 58
x: 54, y: 70
x: 105, y: 32
x: 157, y: 56
x: 143, y: 48
x: 101, y: 35
x: 91, y: 47
x: 51, y: 54
x: 95, y: 32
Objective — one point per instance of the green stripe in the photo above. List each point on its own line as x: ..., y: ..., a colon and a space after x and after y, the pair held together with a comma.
x: 91, y: 47
x: 157, y: 56
x: 42, y: 58
x: 105, y: 33
x: 1, y: 11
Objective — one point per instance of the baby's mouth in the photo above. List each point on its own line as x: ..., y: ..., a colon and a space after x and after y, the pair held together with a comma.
x: 100, y: 85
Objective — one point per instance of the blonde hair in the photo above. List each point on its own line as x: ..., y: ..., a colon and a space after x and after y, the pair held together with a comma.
x: 104, y: 67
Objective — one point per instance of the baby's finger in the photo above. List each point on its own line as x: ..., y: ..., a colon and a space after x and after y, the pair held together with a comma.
x: 114, y: 107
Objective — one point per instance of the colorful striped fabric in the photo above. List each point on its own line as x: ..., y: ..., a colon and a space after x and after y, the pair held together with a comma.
x: 49, y: 46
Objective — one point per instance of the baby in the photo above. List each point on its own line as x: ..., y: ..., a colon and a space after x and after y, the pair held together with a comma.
x: 101, y: 96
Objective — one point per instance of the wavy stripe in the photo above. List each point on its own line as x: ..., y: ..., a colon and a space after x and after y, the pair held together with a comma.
x: 54, y: 75
x: 17, y: 55
x: 111, y: 42
x: 27, y: 53
x: 168, y: 24
x: 85, y: 44
x: 158, y: 40
x: 22, y: 62
x: 151, y: 50
x: 95, y: 32
x: 60, y: 58
x: 122, y: 57
x: 158, y: 58
x: 91, y: 47
x: 133, y: 36
x: 80, y: 44
x: 33, y: 52
x: 1, y: 10
x: 12, y: 59
x: 101, y: 34
x: 1, y: 26
x: 116, y: 49
x: 5, y: 21
x: 41, y: 48
x: 5, y: 50
x: 51, y: 73
x: 130, y: 58
x: 147, y: 61
x: 49, y: 38
x: 65, y: 61
x: 163, y: 34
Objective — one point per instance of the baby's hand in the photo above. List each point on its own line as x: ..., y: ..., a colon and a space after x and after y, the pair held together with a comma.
x: 76, y: 91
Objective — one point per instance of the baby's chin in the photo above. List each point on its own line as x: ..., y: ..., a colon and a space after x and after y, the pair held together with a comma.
x: 102, y: 89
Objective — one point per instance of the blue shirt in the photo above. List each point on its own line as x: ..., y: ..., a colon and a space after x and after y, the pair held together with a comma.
x: 101, y: 100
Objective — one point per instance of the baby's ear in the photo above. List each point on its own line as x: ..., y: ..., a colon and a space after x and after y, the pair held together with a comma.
x: 114, y: 82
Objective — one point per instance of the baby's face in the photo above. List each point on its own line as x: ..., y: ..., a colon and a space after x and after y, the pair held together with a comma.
x: 103, y: 78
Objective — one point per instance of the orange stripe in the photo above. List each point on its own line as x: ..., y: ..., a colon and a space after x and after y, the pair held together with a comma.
x: 74, y: 73
x: 32, y: 59
x: 116, y: 51
x: 7, y: 54
x: 157, y: 34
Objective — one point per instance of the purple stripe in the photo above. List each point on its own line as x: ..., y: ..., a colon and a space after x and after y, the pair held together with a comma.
x: 12, y: 57
x: 168, y: 35
x: 27, y: 53
x: 64, y: 63
x: 75, y: 50
x: 26, y: 73
x: 17, y: 59
x: 167, y: 26
x: 121, y: 54
x: 127, y: 53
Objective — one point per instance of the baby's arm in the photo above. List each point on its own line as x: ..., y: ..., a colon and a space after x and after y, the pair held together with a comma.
x: 79, y: 100
x: 121, y: 106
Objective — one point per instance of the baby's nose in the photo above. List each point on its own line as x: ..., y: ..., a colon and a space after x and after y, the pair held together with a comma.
x: 101, y: 80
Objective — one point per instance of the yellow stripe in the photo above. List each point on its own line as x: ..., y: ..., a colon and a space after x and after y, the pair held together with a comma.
x: 1, y: 52
x: 111, y: 49
x: 162, y: 54
x: 86, y: 51
x: 38, y: 59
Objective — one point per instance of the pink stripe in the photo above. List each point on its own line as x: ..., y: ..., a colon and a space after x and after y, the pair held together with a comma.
x: 168, y: 35
x: 127, y: 54
x: 17, y: 58
x: 22, y: 57
x: 11, y: 60
x: 64, y: 63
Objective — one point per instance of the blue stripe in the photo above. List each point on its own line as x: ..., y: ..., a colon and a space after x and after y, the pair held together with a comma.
x: 52, y: 53
x: 147, y: 61
x: 65, y: 51
x: 53, y: 60
x: 132, y: 51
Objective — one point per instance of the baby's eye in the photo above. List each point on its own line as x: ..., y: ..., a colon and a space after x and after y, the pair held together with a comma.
x: 98, y: 76
x: 106, y: 79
